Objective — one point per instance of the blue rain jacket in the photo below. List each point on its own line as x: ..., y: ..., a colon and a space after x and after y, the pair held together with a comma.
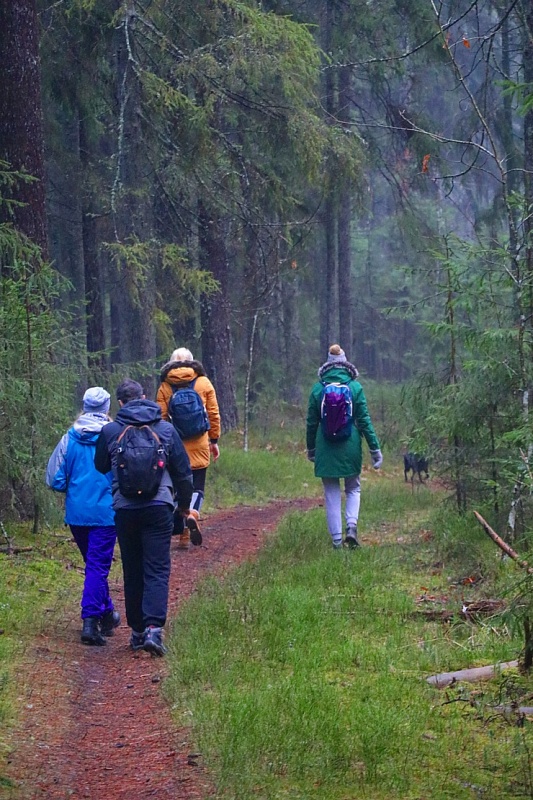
x: 71, y: 470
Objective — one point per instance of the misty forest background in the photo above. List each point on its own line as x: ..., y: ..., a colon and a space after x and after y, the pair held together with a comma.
x: 256, y: 180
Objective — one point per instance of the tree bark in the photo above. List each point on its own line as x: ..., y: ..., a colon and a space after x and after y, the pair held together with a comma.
x: 21, y: 120
x: 290, y: 288
x: 344, y: 217
x: 65, y: 170
x: 329, y: 316
x: 95, y: 229
x: 133, y: 305
x: 528, y: 201
x: 217, y: 342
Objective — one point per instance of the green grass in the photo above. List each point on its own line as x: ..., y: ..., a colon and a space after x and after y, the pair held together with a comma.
x: 258, y: 476
x: 303, y: 673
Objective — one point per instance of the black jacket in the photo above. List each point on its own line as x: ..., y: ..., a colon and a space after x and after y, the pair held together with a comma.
x: 177, y: 477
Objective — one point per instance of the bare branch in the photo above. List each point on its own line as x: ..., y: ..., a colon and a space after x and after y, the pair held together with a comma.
x: 503, y: 545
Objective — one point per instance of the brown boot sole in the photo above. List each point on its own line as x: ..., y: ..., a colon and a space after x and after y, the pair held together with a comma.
x: 194, y: 530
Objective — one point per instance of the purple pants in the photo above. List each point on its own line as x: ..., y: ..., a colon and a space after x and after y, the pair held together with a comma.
x: 96, y: 546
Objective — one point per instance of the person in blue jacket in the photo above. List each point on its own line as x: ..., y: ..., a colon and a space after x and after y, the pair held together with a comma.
x: 88, y: 512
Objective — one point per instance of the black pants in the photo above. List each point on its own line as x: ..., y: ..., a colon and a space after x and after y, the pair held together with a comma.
x: 198, y: 488
x: 144, y: 539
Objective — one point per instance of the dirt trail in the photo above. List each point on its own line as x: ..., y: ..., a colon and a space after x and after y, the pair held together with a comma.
x: 95, y: 725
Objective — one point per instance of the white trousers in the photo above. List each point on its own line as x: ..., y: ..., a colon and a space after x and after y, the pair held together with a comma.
x: 333, y: 498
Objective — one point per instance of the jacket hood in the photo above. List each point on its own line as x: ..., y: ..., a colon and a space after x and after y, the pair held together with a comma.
x: 175, y: 372
x: 139, y: 412
x: 337, y: 371
x: 87, y: 427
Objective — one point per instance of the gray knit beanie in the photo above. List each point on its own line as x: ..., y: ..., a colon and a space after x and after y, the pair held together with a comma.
x: 336, y: 354
x: 96, y: 400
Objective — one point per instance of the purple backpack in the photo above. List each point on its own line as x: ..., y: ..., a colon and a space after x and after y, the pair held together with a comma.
x: 336, y: 412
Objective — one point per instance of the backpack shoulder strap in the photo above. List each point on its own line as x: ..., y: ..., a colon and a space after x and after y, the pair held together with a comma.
x: 122, y: 433
x: 153, y: 432
x: 139, y: 427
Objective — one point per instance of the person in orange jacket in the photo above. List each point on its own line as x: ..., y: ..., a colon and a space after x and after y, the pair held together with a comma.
x: 180, y: 371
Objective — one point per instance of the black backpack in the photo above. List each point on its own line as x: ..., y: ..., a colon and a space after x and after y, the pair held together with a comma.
x: 141, y: 461
x: 187, y: 412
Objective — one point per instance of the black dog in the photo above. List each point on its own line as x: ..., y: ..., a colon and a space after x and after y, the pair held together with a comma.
x: 415, y: 464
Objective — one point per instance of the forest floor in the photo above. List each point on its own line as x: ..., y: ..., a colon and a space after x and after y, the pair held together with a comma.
x: 95, y: 725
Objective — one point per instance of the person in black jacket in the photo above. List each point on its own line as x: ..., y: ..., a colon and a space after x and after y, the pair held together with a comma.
x: 144, y: 526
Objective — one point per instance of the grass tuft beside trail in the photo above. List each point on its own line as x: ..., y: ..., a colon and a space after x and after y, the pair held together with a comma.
x: 304, y: 672
x: 258, y: 476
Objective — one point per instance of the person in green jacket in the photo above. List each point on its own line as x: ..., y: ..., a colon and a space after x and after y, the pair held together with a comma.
x: 334, y: 460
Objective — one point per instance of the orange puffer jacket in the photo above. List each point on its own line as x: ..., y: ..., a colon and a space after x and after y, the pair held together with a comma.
x: 178, y: 373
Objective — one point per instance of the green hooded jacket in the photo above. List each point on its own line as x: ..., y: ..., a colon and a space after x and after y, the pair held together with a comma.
x: 339, y: 459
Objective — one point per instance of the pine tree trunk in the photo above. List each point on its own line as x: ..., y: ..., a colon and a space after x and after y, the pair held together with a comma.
x: 528, y: 160
x: 217, y: 343
x: 95, y: 290
x: 290, y: 289
x: 344, y: 217
x: 134, y: 299
x: 66, y: 229
x: 329, y: 316
x: 95, y: 229
x: 21, y: 123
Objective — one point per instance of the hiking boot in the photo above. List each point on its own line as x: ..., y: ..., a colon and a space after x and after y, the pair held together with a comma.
x: 108, y: 622
x: 153, y: 641
x: 184, y: 540
x: 137, y: 640
x: 194, y: 528
x: 90, y: 633
x: 351, y: 541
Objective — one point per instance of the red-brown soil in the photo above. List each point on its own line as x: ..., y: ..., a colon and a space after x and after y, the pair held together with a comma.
x: 95, y: 724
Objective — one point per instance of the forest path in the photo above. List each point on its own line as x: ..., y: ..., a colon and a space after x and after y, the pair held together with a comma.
x: 95, y: 726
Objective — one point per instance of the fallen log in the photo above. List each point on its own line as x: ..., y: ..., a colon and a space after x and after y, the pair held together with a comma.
x: 525, y: 710
x: 480, y: 608
x: 473, y: 674
x: 12, y: 550
x: 469, y: 611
